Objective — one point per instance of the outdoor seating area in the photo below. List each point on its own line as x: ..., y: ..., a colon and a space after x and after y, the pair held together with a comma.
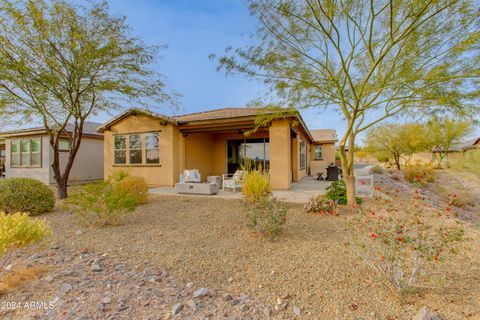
x: 191, y: 183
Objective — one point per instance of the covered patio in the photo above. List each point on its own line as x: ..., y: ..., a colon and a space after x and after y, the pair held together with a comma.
x: 300, y: 192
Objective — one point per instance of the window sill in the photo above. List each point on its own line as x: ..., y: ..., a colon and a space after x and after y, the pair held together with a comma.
x: 137, y: 165
x: 20, y: 167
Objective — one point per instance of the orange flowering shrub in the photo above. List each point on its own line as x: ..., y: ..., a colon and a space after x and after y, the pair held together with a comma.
x: 320, y: 205
x: 406, y: 242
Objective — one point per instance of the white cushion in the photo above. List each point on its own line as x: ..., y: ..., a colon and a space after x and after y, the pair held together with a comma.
x: 191, y: 175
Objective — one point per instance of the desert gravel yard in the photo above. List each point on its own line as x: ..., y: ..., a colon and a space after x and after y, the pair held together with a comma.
x: 312, y: 265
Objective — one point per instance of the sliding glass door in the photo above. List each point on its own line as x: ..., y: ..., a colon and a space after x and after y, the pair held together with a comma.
x: 248, y: 152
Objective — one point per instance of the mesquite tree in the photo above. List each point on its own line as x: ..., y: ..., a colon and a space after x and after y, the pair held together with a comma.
x: 371, y: 60
x: 60, y: 63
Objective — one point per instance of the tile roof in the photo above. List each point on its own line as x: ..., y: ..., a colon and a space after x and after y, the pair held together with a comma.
x: 324, y: 135
x: 89, y: 128
x: 218, y: 114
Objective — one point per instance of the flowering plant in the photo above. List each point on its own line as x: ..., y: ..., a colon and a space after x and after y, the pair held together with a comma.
x: 406, y: 242
x: 320, y: 205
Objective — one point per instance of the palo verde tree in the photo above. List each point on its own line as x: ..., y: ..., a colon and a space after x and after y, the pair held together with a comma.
x: 399, y: 140
x: 61, y: 63
x: 443, y: 132
x: 371, y: 60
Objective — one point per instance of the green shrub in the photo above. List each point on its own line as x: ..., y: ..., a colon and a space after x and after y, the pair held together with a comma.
x: 337, y: 192
x: 25, y: 195
x: 19, y: 230
x: 377, y: 169
x: 419, y: 174
x: 118, y: 175
x: 105, y: 203
x: 256, y: 186
x: 382, y: 156
x: 319, y: 204
x: 127, y: 194
x: 267, y: 215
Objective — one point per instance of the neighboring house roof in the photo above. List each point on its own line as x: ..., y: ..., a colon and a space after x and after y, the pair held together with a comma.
x: 134, y: 111
x: 324, y: 135
x: 89, y: 129
x: 470, y: 144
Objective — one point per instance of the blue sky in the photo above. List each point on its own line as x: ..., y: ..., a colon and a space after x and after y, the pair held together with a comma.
x: 193, y: 30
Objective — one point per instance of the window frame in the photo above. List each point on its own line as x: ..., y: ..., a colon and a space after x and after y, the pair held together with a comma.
x: 303, y: 152
x: 69, y: 145
x: 315, y: 152
x: 143, y: 149
x: 20, y: 153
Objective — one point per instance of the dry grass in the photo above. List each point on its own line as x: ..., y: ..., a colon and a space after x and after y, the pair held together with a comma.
x: 206, y: 240
x: 17, y: 278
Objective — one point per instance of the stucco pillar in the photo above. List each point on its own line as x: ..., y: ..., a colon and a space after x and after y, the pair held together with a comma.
x: 280, y: 155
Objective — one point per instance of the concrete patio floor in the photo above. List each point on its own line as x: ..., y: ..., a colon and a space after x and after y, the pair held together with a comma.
x: 300, y: 192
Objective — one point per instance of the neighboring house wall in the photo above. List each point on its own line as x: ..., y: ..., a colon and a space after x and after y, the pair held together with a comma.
x: 166, y: 173
x: 41, y: 173
x: 328, y: 156
x: 88, y: 164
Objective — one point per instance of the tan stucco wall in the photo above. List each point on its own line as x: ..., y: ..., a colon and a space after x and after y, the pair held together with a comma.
x: 170, y: 150
x: 198, y: 153
x: 280, y: 155
x: 328, y: 154
x: 297, y: 173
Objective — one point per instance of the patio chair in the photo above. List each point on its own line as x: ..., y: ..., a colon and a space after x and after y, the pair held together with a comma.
x: 233, y: 181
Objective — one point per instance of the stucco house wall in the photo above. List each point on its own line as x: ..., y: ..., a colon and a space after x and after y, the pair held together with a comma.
x: 328, y: 156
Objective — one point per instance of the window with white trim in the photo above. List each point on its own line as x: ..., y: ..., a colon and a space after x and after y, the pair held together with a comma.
x: 303, y: 155
x: 317, y: 155
x: 137, y: 149
x: 26, y: 153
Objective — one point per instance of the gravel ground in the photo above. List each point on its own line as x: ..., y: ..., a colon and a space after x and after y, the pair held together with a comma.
x: 311, y: 269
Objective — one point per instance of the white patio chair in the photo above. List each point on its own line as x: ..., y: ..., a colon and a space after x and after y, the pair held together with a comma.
x: 233, y: 181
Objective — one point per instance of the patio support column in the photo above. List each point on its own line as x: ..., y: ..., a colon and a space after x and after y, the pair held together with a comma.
x: 280, y: 155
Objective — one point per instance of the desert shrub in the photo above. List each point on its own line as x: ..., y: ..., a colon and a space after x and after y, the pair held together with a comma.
x: 319, y: 204
x: 105, y: 203
x: 395, y: 177
x: 470, y: 162
x: 337, y: 192
x: 267, y: 215
x: 456, y: 194
x: 377, y: 169
x: 25, y: 195
x: 382, y: 156
x: 19, y: 230
x: 118, y: 175
x: 256, y: 186
x: 405, y: 242
x: 419, y: 174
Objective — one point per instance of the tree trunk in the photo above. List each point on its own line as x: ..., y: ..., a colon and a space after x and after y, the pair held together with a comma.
x: 62, y: 189
x: 347, y: 158
x: 396, y: 157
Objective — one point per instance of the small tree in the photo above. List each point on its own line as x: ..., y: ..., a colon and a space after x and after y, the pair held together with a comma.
x: 444, y: 132
x: 60, y: 63
x: 371, y: 60
x: 399, y: 140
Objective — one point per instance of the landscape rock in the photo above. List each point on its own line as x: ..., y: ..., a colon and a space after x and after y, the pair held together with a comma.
x: 177, y: 308
x: 425, y: 314
x: 244, y: 308
x: 297, y: 311
x: 107, y: 300
x: 65, y: 287
x: 227, y: 296
x: 96, y: 267
x: 199, y: 293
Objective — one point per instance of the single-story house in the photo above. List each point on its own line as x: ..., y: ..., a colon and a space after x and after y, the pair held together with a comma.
x: 159, y: 148
x: 27, y: 153
x: 462, y: 146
